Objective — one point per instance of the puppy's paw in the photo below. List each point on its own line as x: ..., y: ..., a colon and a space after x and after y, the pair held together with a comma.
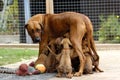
x: 78, y: 74
x: 59, y: 75
x: 91, y: 72
x: 101, y: 70
x: 69, y: 75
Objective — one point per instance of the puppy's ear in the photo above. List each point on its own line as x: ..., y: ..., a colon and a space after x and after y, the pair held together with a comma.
x: 61, y: 42
x: 25, y: 25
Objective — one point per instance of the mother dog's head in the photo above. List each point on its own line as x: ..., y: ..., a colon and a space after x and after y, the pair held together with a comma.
x: 35, y: 28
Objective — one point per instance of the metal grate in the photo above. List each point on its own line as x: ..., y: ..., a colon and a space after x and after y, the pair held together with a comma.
x: 9, y: 21
x: 37, y: 7
x: 22, y: 35
x: 92, y: 8
x: 104, y: 15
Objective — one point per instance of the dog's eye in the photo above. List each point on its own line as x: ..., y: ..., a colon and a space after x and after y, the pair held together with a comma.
x: 32, y: 31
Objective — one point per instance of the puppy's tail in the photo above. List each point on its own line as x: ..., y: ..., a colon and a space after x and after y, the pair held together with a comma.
x: 52, y: 51
x: 56, y: 56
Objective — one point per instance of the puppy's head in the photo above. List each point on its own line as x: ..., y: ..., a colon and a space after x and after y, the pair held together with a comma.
x: 34, y: 29
x: 66, y: 40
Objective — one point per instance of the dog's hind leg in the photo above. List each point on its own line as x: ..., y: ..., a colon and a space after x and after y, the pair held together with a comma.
x: 91, y: 44
x: 95, y: 56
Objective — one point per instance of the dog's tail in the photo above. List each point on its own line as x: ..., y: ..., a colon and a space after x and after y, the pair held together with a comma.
x: 90, y: 40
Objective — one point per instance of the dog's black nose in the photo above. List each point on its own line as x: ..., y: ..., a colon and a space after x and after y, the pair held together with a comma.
x: 36, y: 40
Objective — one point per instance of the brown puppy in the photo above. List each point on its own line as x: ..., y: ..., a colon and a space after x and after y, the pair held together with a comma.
x: 65, y: 60
x: 78, y: 25
x: 52, y: 54
x: 71, y: 54
x: 88, y: 69
x: 88, y: 62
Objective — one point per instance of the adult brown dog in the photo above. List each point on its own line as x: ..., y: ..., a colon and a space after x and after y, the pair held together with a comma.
x: 56, y: 25
x: 33, y: 27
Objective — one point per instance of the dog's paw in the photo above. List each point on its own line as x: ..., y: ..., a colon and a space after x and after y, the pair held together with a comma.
x: 78, y: 74
x: 58, y: 75
x: 101, y: 71
x: 69, y: 75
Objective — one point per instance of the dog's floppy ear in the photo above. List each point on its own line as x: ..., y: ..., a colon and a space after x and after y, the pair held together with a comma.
x: 25, y: 25
x: 41, y: 25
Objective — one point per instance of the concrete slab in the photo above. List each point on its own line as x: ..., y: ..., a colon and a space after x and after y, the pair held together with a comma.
x: 109, y: 62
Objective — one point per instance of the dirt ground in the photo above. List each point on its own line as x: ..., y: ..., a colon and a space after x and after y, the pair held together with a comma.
x: 109, y: 62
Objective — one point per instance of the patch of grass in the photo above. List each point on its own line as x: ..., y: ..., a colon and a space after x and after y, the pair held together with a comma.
x: 9, y: 55
x: 109, y: 32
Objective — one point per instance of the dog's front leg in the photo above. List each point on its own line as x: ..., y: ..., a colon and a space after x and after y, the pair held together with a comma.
x: 41, y: 59
x: 42, y: 44
x: 82, y: 61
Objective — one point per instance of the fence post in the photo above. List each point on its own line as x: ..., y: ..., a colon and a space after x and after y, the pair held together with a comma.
x: 27, y: 16
x: 49, y: 6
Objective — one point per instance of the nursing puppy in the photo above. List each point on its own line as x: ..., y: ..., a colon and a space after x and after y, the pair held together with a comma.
x: 65, y: 65
x: 88, y: 62
x: 88, y: 69
x: 90, y: 65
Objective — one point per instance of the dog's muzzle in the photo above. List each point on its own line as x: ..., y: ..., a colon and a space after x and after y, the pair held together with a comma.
x: 36, y: 40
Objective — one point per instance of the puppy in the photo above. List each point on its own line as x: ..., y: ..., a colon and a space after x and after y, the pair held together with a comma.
x: 65, y: 60
x: 88, y: 63
x: 88, y: 67
x: 73, y: 55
